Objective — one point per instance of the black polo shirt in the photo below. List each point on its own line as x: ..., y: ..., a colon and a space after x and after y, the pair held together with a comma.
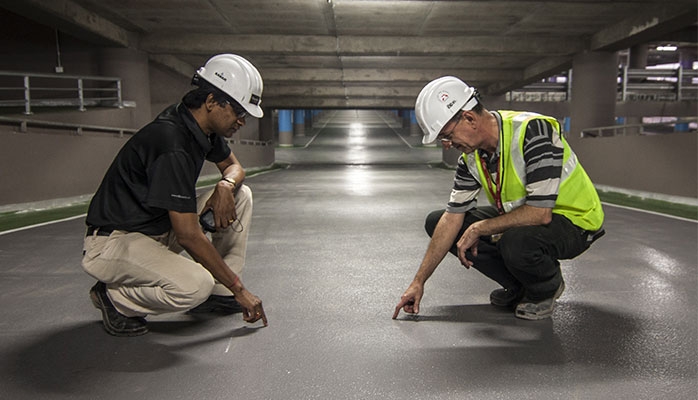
x: 155, y: 171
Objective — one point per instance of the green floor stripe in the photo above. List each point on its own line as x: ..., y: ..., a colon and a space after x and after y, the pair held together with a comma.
x: 659, y: 206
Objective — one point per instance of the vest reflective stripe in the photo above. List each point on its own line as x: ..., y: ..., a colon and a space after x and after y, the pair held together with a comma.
x: 577, y: 199
x: 569, y: 158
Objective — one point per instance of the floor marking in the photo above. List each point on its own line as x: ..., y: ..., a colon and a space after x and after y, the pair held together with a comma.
x: 42, y: 224
x: 650, y: 212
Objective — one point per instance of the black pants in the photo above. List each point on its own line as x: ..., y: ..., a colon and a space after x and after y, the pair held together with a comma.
x: 524, y: 257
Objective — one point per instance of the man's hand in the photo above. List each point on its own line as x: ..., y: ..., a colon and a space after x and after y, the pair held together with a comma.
x: 410, y: 300
x: 252, y: 310
x: 469, y: 241
x: 222, y: 201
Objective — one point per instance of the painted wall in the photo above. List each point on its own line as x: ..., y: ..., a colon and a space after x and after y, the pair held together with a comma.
x: 665, y: 164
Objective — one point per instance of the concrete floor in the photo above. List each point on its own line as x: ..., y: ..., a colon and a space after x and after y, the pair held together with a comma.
x: 336, y: 239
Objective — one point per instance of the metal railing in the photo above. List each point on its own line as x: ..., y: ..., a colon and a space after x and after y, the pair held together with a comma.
x: 633, y: 85
x: 27, y: 90
x: 249, y: 142
x: 678, y: 125
x: 658, y: 84
x: 23, y: 125
x: 556, y: 88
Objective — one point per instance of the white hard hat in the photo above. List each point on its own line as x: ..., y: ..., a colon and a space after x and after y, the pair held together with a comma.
x: 439, y: 101
x: 237, y: 78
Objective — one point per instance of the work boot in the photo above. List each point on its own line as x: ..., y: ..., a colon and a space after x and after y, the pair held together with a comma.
x: 535, y: 310
x: 506, y: 297
x: 115, y: 323
x: 218, y: 304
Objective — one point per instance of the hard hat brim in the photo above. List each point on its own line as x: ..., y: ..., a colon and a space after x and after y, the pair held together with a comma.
x: 255, y: 111
x: 429, y: 139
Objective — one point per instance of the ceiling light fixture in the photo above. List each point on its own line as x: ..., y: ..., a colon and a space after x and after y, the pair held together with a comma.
x: 668, y: 47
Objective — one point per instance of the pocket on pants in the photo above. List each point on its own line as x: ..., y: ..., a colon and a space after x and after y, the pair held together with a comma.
x: 94, y: 244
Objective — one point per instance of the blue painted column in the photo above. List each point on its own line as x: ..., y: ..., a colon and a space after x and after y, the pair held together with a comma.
x: 566, y: 125
x: 681, y: 127
x: 405, y: 117
x: 299, y: 123
x: 415, y: 130
x: 285, y: 128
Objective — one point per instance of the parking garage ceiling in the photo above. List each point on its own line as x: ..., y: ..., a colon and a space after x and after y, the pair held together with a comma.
x: 371, y: 53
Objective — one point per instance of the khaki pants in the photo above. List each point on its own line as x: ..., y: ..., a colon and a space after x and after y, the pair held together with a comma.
x: 148, y: 275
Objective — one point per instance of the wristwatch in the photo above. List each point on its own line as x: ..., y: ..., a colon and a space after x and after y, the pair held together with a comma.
x: 230, y: 180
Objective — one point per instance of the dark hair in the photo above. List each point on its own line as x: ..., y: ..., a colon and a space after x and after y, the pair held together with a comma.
x: 479, y: 108
x: 195, y: 98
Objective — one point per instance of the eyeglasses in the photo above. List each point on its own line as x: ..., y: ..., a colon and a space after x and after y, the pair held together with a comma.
x: 237, y: 108
x: 446, y: 137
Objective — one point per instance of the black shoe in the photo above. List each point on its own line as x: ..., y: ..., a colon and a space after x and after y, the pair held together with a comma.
x: 218, y: 304
x: 115, y: 323
x: 506, y: 297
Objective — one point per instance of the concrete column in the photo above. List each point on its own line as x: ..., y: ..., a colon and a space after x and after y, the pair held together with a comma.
x: 638, y: 56
x: 415, y: 130
x: 405, y: 115
x: 593, y: 104
x: 285, y: 128
x: 687, y: 58
x: 132, y: 67
x: 299, y: 123
x: 637, y: 60
x: 308, y: 120
x: 266, y: 125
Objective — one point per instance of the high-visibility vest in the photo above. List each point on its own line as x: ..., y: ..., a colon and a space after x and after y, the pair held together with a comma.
x: 577, y: 198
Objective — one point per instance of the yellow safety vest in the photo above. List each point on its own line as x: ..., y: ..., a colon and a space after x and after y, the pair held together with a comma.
x: 577, y: 198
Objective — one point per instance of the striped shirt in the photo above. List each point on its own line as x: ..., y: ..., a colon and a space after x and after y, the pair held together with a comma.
x: 543, y: 154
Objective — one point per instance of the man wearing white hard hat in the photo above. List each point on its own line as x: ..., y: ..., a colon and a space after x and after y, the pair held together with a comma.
x: 146, y: 211
x: 542, y: 205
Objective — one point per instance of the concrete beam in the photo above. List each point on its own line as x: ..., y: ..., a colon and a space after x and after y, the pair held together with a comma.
x: 293, y: 102
x: 367, y: 75
x: 69, y: 17
x: 339, y: 91
x: 357, y: 45
x: 646, y: 26
x: 540, y: 70
x: 174, y: 63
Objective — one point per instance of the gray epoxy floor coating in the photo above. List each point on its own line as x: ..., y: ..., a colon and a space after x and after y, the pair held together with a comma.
x: 336, y: 239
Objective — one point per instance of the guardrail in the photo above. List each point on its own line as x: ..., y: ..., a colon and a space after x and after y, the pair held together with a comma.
x: 658, y: 84
x: 23, y: 125
x: 249, y: 142
x: 24, y: 89
x: 679, y: 125
x: 633, y: 85
x: 78, y: 129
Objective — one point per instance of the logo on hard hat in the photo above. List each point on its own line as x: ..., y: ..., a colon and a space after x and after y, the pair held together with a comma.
x: 443, y: 96
x: 220, y: 75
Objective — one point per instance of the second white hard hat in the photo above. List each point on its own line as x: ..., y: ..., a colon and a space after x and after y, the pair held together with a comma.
x: 439, y: 101
x: 237, y: 78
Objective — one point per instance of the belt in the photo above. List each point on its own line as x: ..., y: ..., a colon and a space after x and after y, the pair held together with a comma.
x: 100, y: 231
